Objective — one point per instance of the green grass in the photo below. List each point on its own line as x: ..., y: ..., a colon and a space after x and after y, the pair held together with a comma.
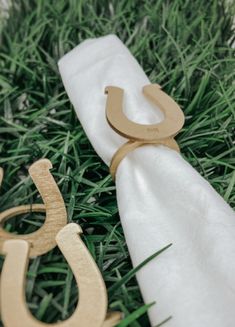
x: 182, y: 45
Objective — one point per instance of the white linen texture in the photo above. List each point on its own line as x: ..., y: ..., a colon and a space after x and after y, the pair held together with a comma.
x: 161, y: 198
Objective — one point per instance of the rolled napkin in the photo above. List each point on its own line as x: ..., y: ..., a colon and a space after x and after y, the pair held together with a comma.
x: 161, y: 198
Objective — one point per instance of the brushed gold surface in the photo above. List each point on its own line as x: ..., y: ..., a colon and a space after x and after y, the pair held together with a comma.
x: 91, y: 310
x: 162, y: 133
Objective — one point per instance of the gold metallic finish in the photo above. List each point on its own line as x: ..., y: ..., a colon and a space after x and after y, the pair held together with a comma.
x: 91, y: 309
x: 43, y: 240
x: 162, y: 133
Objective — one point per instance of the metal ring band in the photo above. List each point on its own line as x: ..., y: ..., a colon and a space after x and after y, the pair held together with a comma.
x: 132, y: 145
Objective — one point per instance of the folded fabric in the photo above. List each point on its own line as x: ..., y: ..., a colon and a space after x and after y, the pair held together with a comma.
x: 161, y: 198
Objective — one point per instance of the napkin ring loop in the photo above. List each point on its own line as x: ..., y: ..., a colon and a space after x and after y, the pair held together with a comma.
x: 162, y: 133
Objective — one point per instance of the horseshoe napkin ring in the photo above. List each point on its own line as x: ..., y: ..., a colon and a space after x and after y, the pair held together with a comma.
x: 92, y: 305
x: 139, y: 134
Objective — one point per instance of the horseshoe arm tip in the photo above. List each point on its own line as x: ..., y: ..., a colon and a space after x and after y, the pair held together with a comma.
x: 113, y: 90
x: 69, y: 229
x: 42, y: 164
x: 151, y: 86
x: 10, y: 246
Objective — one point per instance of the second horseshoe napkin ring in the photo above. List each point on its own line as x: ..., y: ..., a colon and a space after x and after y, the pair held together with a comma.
x: 91, y: 309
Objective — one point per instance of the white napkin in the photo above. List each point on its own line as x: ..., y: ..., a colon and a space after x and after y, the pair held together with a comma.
x: 161, y: 198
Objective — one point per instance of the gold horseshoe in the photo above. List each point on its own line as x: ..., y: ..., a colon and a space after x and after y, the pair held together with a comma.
x: 92, y: 305
x: 162, y: 133
x: 170, y: 126
x: 43, y: 240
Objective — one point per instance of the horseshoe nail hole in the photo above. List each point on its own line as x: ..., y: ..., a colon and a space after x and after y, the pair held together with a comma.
x: 24, y: 223
x: 54, y: 295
